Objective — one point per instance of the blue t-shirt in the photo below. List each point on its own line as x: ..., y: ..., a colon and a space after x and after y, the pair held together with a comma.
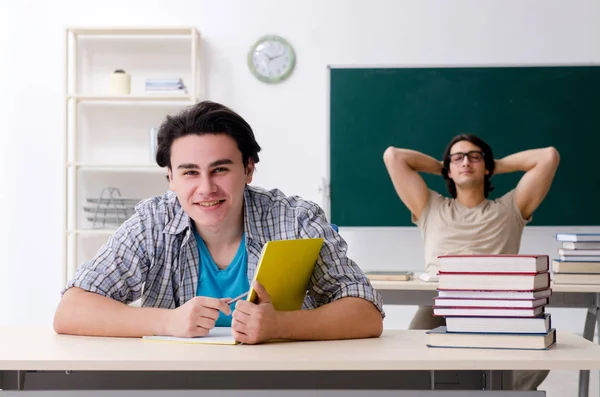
x: 227, y: 283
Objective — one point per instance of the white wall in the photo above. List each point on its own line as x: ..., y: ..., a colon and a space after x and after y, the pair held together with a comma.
x: 333, y: 32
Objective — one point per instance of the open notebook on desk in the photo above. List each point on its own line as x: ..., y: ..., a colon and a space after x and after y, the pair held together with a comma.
x: 284, y: 269
x: 216, y: 336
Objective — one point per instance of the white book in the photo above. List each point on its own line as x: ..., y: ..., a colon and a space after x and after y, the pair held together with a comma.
x: 495, y: 282
x: 576, y: 278
x: 501, y: 303
x: 216, y: 336
x: 576, y: 267
x: 495, y: 294
x: 578, y: 252
x: 494, y: 263
x: 586, y: 245
x: 572, y: 258
x: 595, y: 237
x: 440, y: 337
x: 488, y: 311
x: 526, y: 325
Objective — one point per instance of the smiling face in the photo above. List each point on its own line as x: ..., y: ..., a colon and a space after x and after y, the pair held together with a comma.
x: 208, y: 176
x: 470, y: 171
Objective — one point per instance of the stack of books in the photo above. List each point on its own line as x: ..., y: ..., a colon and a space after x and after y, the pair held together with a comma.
x: 165, y: 86
x: 578, y: 259
x: 493, y: 302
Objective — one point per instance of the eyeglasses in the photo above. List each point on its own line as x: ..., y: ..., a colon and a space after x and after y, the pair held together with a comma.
x: 474, y: 156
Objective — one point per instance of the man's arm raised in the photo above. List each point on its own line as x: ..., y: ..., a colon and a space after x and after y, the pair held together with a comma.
x: 539, y: 166
x: 404, y: 166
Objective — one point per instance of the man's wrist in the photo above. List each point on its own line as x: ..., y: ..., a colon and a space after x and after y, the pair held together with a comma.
x: 283, y: 323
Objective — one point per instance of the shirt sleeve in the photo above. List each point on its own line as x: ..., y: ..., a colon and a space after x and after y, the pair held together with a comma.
x: 508, y: 200
x: 119, y: 268
x: 433, y: 203
x: 335, y: 275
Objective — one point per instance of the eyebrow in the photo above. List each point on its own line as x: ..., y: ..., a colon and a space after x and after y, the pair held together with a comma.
x: 192, y: 166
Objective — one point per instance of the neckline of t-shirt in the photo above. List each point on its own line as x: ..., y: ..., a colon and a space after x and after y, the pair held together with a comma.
x: 485, y: 201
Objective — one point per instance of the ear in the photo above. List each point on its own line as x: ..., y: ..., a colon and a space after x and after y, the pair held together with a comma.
x: 487, y: 172
x: 249, y: 171
x: 170, y: 178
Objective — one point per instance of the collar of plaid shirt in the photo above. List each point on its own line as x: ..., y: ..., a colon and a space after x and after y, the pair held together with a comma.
x: 189, y: 255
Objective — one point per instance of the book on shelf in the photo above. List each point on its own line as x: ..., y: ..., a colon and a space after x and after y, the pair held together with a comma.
x: 578, y: 252
x: 389, y: 275
x: 575, y: 267
x: 494, y: 263
x: 519, y: 295
x: 529, y: 325
x: 489, y: 311
x: 503, y: 303
x: 577, y: 278
x: 440, y: 337
x: 579, y: 258
x: 577, y: 237
x: 494, y: 281
x: 585, y: 245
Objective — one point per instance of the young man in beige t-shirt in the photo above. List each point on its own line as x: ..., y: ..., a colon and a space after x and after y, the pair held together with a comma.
x: 469, y: 223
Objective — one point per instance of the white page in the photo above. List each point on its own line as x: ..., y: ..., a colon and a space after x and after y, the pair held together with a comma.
x: 217, y: 335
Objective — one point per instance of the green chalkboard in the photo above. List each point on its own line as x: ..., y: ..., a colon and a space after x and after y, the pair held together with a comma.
x: 512, y: 108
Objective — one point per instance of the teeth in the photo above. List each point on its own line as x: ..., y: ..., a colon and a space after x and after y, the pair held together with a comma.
x: 209, y: 203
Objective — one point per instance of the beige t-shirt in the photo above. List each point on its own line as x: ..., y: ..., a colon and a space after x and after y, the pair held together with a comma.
x: 449, y: 228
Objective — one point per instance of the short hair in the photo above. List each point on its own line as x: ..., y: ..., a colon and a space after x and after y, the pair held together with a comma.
x: 488, y: 158
x: 206, y: 118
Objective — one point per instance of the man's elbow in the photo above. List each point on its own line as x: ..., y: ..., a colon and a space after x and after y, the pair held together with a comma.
x: 374, y: 322
x: 61, y: 323
x: 64, y: 317
x: 552, y: 156
x: 389, y: 154
x: 392, y: 155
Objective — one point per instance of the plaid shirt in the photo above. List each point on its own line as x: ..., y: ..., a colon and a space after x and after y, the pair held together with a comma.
x: 154, y: 255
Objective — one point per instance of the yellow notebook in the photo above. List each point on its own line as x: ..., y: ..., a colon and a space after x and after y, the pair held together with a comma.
x: 284, y: 269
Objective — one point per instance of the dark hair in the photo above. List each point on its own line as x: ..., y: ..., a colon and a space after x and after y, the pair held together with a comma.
x: 206, y: 118
x: 488, y: 158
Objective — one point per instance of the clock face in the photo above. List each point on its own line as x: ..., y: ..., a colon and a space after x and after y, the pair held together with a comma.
x: 271, y: 59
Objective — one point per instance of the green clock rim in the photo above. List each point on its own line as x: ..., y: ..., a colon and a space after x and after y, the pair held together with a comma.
x: 272, y: 80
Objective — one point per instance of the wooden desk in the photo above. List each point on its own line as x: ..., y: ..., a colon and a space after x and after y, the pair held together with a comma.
x: 380, y: 359
x: 420, y: 293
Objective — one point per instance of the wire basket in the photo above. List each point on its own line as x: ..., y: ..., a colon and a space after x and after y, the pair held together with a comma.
x: 109, y: 210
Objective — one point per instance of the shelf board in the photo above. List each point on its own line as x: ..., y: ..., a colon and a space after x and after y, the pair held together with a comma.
x: 131, y: 98
x: 118, y: 167
x: 113, y: 31
x: 92, y: 232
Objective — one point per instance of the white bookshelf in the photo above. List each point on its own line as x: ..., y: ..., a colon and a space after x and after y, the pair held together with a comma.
x: 107, y: 139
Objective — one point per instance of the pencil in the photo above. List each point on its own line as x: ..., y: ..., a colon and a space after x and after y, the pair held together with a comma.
x: 237, y: 298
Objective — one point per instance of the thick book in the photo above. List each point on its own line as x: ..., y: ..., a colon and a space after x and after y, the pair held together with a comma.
x: 576, y: 278
x: 578, y: 252
x: 496, y: 281
x: 494, y: 263
x: 503, y: 303
x: 577, y: 237
x: 488, y: 311
x: 525, y: 325
x: 589, y: 245
x: 575, y: 267
x: 389, y: 275
x: 495, y: 294
x: 440, y: 337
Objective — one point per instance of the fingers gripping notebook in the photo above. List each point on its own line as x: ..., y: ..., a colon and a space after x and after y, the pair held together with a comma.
x: 284, y: 270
